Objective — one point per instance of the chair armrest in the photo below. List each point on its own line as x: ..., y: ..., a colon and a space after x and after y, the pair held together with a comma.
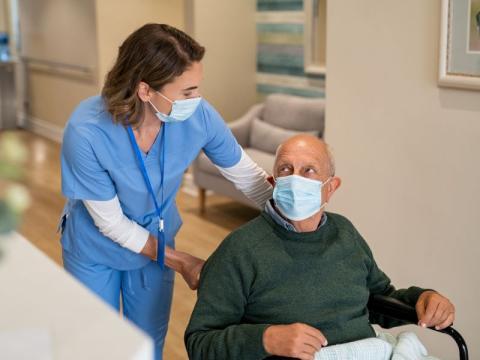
x: 398, y: 310
x: 392, y: 308
x: 241, y: 127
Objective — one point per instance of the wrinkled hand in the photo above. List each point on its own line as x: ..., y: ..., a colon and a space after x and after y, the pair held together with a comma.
x: 434, y: 310
x: 297, y: 340
x: 191, y: 267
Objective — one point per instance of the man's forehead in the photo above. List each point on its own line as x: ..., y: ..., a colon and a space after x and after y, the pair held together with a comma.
x: 306, y: 156
x: 302, y: 153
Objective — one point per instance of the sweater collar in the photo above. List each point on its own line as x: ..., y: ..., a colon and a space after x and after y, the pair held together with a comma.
x: 280, y: 220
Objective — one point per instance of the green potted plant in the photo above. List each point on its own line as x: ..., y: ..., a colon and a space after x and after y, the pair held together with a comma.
x: 14, y: 197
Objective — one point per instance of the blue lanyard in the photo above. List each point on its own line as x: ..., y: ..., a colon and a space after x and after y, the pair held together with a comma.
x: 158, y: 209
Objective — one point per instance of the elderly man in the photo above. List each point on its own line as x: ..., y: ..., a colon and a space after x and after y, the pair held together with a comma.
x: 295, y: 278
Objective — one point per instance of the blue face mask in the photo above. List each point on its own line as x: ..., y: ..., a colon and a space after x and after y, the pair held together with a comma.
x: 298, y: 198
x: 181, y: 109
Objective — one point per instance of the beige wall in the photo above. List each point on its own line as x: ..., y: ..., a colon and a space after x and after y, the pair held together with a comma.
x: 320, y: 53
x: 227, y: 30
x: 116, y: 19
x: 408, y: 152
x: 52, y: 97
x: 50, y: 93
x: 4, y: 24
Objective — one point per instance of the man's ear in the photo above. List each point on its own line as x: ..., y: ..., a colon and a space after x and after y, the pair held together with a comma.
x: 143, y: 91
x: 332, y: 186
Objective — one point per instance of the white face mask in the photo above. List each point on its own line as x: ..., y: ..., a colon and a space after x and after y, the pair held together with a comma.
x: 181, y: 109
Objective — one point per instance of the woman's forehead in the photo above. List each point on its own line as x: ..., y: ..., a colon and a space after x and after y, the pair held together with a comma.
x: 190, y: 77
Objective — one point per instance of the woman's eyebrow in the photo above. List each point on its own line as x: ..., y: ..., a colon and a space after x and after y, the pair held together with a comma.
x: 190, y: 88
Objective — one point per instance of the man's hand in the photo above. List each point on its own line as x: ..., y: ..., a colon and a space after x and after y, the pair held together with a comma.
x: 434, y: 310
x: 297, y: 340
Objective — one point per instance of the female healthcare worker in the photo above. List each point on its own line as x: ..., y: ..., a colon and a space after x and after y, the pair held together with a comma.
x: 123, y: 157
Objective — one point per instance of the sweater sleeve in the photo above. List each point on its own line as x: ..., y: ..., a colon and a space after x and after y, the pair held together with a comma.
x: 216, y: 329
x: 379, y: 283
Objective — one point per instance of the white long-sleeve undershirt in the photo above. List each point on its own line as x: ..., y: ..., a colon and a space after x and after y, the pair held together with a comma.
x: 112, y: 222
x: 108, y: 216
x: 250, y: 179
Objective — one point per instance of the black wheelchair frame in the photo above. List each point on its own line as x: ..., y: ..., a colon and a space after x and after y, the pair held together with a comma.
x: 397, y: 310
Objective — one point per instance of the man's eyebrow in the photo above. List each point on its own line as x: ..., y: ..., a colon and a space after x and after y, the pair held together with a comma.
x: 190, y: 88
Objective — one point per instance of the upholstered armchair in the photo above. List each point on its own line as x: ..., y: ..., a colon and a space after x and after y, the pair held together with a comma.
x: 259, y: 132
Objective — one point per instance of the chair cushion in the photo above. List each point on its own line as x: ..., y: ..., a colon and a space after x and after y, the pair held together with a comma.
x: 267, y: 137
x: 263, y: 159
x: 205, y: 165
x: 295, y: 113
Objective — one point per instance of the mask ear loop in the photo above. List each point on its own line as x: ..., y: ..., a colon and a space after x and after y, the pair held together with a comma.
x: 327, y: 181
x: 154, y: 107
x: 323, y: 184
x: 166, y: 98
x: 163, y: 96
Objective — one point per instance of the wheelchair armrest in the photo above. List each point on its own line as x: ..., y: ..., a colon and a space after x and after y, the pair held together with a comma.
x: 398, y: 310
x: 392, y: 308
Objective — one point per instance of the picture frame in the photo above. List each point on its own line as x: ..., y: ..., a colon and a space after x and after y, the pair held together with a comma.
x: 459, y: 64
x: 315, y: 37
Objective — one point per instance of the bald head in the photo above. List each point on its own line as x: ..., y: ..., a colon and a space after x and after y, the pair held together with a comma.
x: 304, y: 155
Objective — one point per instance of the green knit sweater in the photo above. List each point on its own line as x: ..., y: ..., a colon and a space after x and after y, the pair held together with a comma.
x: 263, y: 274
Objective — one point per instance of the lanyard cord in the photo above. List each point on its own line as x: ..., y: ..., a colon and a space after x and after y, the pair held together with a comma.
x: 158, y: 209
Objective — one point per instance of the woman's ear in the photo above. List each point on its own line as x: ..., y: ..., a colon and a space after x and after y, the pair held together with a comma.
x: 143, y: 91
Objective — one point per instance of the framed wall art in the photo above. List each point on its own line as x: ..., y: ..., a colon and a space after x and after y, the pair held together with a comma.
x: 460, y: 44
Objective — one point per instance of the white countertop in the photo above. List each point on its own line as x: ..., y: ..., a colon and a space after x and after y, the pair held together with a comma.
x: 46, y: 314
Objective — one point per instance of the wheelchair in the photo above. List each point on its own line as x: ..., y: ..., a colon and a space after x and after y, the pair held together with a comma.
x: 396, y: 310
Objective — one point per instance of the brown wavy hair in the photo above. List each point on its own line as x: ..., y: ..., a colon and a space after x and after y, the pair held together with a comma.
x: 154, y: 54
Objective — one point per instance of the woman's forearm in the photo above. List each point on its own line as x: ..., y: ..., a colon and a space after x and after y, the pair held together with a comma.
x: 173, y: 259
x: 185, y: 264
x: 108, y: 216
x: 250, y: 179
x: 150, y: 248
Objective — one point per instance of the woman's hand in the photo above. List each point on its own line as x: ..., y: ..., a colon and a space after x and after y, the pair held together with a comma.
x: 191, y: 269
x: 186, y: 265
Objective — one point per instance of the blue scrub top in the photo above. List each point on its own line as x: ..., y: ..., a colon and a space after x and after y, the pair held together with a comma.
x: 98, y: 162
